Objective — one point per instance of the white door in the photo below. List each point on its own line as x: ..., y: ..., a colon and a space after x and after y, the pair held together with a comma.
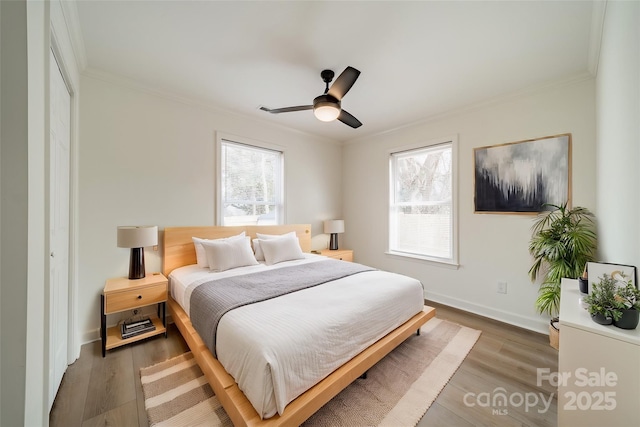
x: 59, y: 161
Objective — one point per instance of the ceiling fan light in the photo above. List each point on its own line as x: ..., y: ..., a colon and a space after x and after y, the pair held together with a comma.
x: 326, y: 111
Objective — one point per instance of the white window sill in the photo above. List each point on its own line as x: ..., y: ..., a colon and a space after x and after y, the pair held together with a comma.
x: 434, y: 261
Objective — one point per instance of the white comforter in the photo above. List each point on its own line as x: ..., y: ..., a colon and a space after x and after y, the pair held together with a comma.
x: 279, y: 348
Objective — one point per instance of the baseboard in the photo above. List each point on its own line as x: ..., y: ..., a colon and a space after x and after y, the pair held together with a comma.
x: 90, y: 336
x: 530, y: 323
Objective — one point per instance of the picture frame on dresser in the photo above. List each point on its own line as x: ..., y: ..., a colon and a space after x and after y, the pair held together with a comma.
x: 620, y: 272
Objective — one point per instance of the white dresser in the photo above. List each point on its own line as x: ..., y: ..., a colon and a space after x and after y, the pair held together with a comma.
x: 598, y: 369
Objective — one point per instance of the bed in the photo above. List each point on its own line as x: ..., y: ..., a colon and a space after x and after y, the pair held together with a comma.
x: 179, y: 258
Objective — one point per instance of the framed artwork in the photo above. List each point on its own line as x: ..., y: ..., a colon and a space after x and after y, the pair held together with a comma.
x: 621, y: 273
x: 520, y: 177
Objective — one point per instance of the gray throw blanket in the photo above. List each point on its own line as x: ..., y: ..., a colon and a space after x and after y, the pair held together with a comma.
x: 211, y: 300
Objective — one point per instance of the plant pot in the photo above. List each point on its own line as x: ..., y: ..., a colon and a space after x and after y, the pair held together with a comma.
x: 554, y: 334
x: 583, y: 285
x: 599, y: 318
x: 629, y: 319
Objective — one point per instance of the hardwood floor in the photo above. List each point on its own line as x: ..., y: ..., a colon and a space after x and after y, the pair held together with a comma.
x: 505, y: 356
x: 98, y: 391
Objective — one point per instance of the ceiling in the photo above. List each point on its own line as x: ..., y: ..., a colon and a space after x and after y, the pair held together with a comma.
x: 417, y: 59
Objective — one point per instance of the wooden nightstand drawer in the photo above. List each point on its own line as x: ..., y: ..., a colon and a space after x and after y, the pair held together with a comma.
x: 341, y: 254
x: 127, y: 300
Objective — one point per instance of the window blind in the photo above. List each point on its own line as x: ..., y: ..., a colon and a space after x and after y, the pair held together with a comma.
x: 251, y: 184
x: 421, y: 209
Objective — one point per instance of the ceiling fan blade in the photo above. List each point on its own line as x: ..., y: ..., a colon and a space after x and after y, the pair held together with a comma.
x: 343, y: 83
x: 349, y: 120
x: 286, y: 109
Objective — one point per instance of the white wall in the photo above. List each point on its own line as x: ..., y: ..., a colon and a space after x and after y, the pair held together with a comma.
x: 149, y: 159
x: 13, y: 228
x: 492, y: 248
x: 618, y: 149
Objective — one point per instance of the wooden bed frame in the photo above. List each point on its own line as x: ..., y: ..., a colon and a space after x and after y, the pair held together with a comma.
x: 179, y: 251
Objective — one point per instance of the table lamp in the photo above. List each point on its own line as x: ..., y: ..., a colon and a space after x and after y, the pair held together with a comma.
x: 136, y: 238
x: 333, y: 227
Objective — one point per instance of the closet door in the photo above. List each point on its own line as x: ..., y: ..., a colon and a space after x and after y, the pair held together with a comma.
x: 59, y: 164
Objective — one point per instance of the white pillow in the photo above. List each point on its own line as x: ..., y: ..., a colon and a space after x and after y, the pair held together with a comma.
x: 256, y: 242
x: 279, y: 250
x: 201, y: 256
x: 226, y: 254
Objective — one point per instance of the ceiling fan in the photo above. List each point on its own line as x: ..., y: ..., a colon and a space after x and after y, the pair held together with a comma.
x: 326, y: 107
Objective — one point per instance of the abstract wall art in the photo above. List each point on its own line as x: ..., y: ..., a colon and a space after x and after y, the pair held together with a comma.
x: 521, y: 177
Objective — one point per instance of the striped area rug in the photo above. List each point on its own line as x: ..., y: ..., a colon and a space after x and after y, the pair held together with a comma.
x: 176, y: 393
x: 398, y: 390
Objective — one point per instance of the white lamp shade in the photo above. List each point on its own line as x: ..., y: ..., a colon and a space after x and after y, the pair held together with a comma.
x: 137, y: 236
x: 326, y: 113
x: 334, y: 226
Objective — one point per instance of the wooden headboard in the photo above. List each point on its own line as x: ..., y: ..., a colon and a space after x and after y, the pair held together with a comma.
x: 179, y: 249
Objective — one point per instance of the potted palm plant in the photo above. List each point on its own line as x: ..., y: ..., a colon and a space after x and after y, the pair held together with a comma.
x: 563, y: 241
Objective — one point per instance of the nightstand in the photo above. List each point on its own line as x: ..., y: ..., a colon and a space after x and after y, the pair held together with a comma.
x: 122, y: 294
x: 341, y: 254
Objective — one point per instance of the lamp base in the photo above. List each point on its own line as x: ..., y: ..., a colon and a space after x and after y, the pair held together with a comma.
x: 136, y: 264
x: 333, y: 242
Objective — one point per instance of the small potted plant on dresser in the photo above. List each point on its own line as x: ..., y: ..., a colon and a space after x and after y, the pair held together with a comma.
x: 614, y: 301
x: 627, y: 300
x: 603, y: 306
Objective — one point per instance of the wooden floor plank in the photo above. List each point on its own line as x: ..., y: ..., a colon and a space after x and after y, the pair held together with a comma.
x: 68, y: 407
x: 452, y: 398
x: 112, y: 382
x: 439, y: 416
x: 121, y: 416
x: 504, y: 356
x: 534, y: 409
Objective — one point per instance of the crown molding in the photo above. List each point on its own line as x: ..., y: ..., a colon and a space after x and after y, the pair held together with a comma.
x: 598, y: 12
x: 138, y: 86
x: 202, y: 103
x: 207, y: 105
x: 523, y: 93
x: 72, y: 19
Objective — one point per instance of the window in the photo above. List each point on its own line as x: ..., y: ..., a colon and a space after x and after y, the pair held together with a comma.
x: 422, y: 218
x: 250, y: 181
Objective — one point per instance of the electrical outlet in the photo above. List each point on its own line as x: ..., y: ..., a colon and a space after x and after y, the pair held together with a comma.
x: 502, y: 288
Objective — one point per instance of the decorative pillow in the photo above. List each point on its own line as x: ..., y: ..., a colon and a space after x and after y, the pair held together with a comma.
x: 201, y: 256
x: 256, y: 242
x: 279, y: 250
x: 226, y: 254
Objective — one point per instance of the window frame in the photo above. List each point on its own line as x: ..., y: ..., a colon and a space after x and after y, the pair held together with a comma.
x: 446, y: 262
x: 221, y: 138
